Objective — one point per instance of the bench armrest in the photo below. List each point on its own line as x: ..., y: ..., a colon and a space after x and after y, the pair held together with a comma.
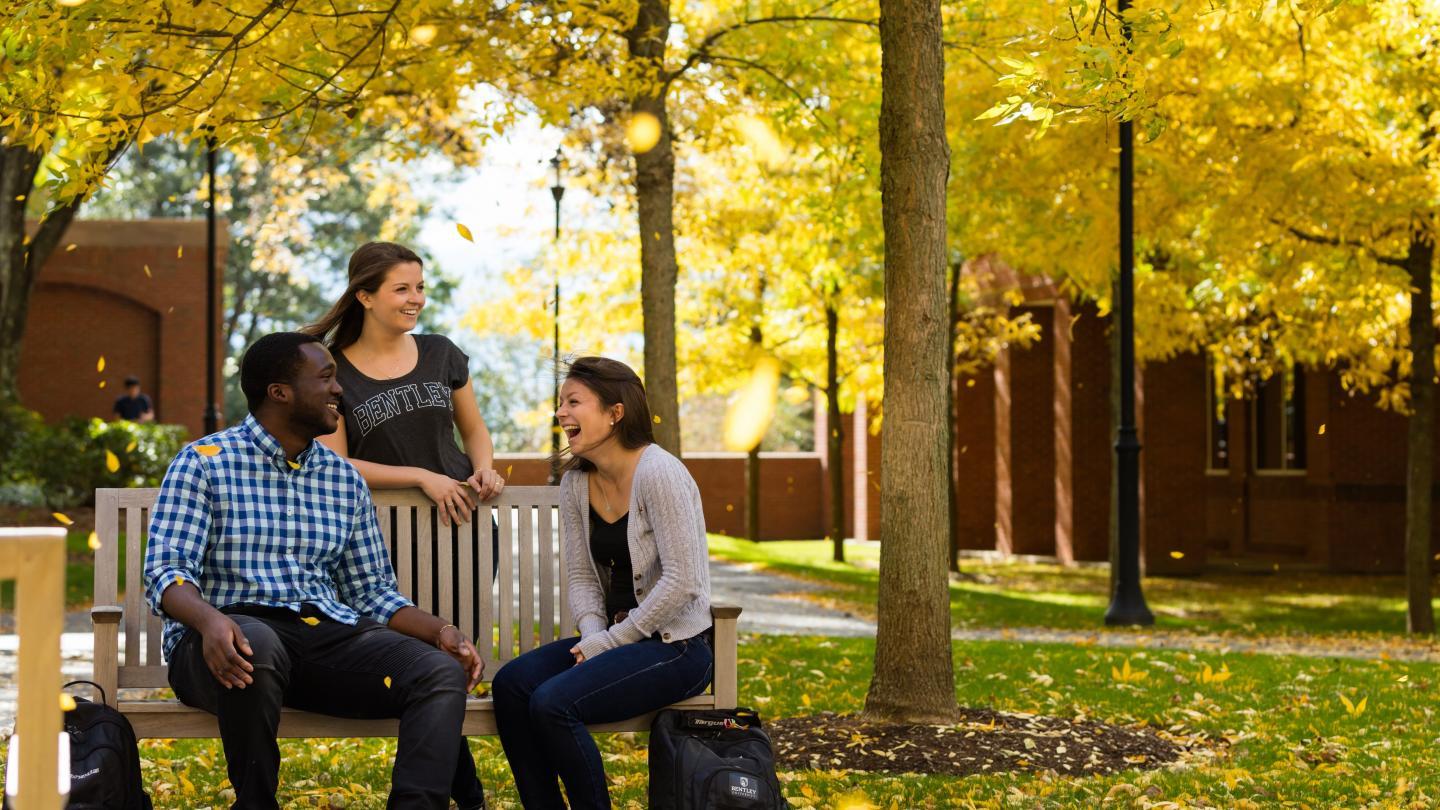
x: 730, y: 612
x: 106, y: 672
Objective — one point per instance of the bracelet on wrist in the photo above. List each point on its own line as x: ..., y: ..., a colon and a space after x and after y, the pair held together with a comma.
x: 441, y: 634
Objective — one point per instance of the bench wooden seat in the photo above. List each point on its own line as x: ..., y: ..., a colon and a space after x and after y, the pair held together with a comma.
x: 525, y: 606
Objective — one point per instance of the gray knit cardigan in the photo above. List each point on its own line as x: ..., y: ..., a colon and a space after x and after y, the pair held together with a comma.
x: 668, y: 554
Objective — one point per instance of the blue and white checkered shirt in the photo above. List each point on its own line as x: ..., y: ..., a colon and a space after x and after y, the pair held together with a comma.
x: 245, y: 526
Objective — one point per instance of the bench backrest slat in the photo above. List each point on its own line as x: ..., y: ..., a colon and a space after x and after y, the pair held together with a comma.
x: 440, y: 567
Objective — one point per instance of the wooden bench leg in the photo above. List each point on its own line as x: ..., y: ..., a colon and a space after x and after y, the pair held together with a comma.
x: 106, y: 670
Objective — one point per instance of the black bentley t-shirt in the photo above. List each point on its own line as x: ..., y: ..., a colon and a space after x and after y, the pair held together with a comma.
x: 408, y: 421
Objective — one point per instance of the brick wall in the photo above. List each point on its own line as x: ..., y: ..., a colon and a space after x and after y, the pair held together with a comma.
x: 97, y: 300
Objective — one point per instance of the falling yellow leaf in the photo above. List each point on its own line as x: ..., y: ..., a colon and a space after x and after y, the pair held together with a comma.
x: 102, y: 383
x: 749, y: 415
x: 643, y: 132
x: 762, y: 139
x: 1322, y: 429
x: 797, y: 395
x: 70, y: 247
x: 655, y: 418
x: 130, y: 448
x: 112, y: 462
x: 93, y: 541
x: 19, y: 198
x: 67, y: 703
x: 100, y: 364
x: 179, y: 580
x: 464, y: 232
x: 970, y: 383
x: 180, y: 251
x: 312, y: 621
x: 294, y: 465
x: 1177, y: 555
x: 387, y: 681
x: 729, y: 507
x: 63, y: 518
x: 148, y: 274
x: 207, y: 450
x: 508, y: 470
x: 423, y: 34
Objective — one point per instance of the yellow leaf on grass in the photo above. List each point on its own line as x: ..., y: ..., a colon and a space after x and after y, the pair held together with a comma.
x: 643, y: 132
x: 312, y: 621
x: 100, y: 364
x: 749, y: 415
x: 464, y: 232
x: 67, y: 703
x: 63, y: 518
x: 855, y: 800
x: 1211, y: 676
x: 112, y: 462
x: 93, y: 541
x: 1127, y: 675
x: 806, y: 700
x: 1354, y: 709
x: 207, y: 450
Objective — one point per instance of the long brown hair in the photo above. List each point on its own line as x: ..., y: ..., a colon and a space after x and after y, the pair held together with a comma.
x: 615, y: 384
x: 369, y: 265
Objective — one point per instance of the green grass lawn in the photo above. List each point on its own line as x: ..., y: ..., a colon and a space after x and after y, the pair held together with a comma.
x: 1275, y: 733
x: 1004, y: 594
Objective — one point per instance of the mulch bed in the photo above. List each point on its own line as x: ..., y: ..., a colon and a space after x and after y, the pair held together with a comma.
x: 984, y: 741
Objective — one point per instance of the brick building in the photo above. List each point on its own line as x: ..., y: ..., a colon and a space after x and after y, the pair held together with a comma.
x: 97, y: 299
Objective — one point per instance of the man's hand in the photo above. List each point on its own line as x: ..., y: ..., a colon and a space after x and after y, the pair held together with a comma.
x: 224, y: 643
x: 453, y: 642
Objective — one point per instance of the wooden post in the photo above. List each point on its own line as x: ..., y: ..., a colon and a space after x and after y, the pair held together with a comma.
x: 35, y: 559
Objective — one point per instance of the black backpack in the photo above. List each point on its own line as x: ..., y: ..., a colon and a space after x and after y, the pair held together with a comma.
x: 104, y: 758
x: 710, y: 760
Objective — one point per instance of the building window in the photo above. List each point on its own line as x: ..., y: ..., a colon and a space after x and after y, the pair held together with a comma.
x: 1218, y: 418
x: 1280, y: 421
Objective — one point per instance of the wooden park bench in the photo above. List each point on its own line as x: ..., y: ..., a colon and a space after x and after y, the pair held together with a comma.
x: 526, y: 607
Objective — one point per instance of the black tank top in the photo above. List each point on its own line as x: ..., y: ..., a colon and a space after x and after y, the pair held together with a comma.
x: 610, y: 548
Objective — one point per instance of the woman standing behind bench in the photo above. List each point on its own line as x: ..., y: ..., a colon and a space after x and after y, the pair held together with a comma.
x: 404, y: 396
x: 637, y: 569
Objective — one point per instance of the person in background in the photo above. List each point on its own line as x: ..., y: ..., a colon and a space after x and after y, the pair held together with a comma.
x: 637, y: 570
x: 134, y: 405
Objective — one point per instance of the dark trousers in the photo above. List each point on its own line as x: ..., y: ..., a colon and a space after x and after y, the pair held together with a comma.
x: 543, y: 700
x: 333, y: 669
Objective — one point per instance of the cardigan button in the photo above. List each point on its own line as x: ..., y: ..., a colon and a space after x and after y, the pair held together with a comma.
x: 639, y: 591
x: 637, y: 577
x: 665, y: 636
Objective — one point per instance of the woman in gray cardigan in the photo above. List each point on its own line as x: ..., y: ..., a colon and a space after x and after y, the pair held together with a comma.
x: 637, y: 569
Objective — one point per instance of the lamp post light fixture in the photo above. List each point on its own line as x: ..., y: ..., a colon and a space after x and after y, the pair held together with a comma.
x: 558, y: 192
x: 1127, y: 601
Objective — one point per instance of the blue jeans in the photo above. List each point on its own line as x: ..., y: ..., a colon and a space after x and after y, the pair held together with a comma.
x: 543, y: 700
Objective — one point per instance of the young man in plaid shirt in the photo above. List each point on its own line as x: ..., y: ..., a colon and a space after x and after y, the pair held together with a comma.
x: 266, y: 560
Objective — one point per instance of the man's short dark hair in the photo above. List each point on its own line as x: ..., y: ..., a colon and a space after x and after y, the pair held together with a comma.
x: 272, y: 359
x: 131, y: 380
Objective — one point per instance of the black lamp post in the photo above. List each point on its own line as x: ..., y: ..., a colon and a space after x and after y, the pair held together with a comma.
x: 1127, y: 603
x: 212, y: 413
x: 558, y: 192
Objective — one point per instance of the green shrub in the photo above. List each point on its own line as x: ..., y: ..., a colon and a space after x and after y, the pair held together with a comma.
x: 67, y: 461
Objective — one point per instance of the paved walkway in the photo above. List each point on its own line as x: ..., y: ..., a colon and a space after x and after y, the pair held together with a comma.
x: 776, y: 605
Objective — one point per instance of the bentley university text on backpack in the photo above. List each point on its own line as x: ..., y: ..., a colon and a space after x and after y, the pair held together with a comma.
x: 712, y: 760
x: 104, y: 758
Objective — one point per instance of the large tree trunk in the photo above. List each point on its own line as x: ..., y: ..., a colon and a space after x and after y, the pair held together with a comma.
x: 835, y: 437
x: 1420, y: 452
x: 655, y: 194
x: 914, y: 674
x: 21, y: 258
